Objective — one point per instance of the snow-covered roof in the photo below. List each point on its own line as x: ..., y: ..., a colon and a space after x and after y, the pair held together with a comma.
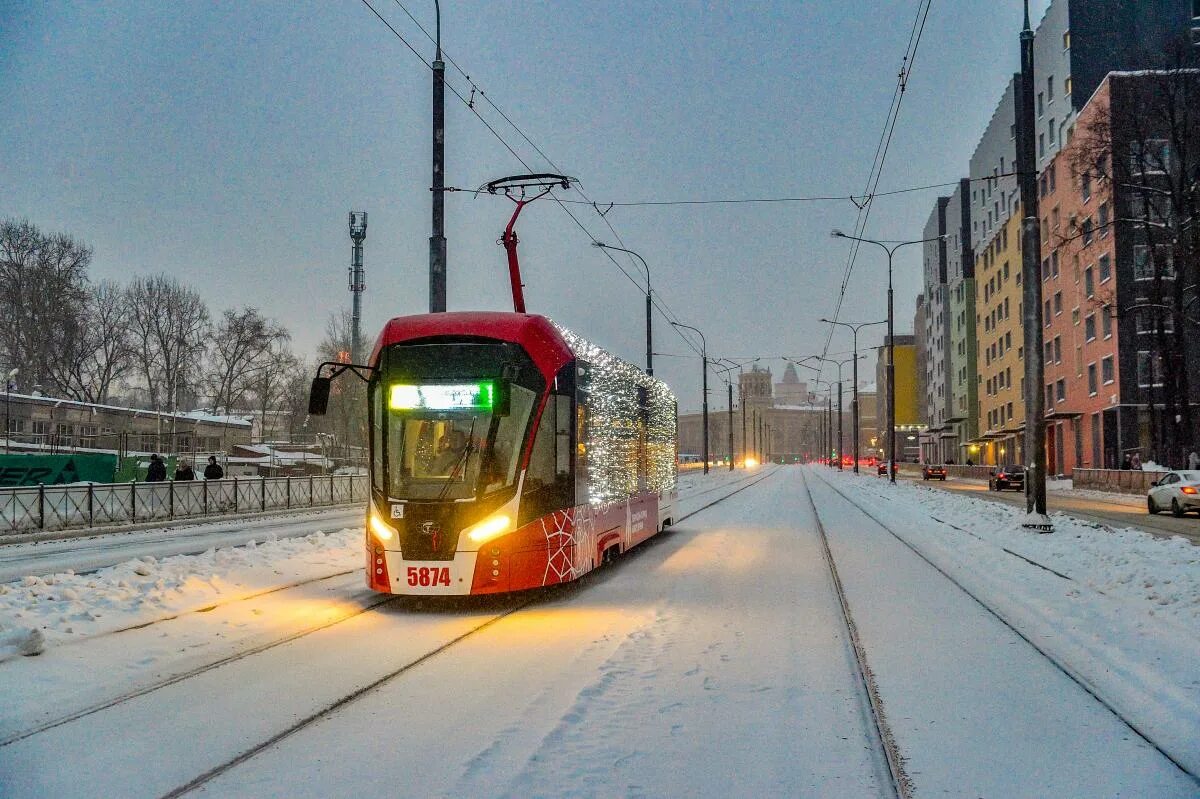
x: 200, y: 416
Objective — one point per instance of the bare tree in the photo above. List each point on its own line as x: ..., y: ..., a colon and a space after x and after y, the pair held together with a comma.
x: 99, y: 349
x: 1148, y: 152
x: 269, y: 386
x: 169, y: 323
x: 43, y: 294
x: 347, y: 414
x: 241, y: 348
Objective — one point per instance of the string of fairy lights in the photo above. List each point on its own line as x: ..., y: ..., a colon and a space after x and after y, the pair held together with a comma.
x: 613, y: 427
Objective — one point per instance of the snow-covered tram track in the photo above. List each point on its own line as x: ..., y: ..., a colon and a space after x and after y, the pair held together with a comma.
x: 1058, y: 663
x: 526, y: 601
x: 881, y: 730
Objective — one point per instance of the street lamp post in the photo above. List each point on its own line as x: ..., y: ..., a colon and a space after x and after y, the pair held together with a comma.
x: 703, y: 383
x: 891, y: 324
x: 840, y: 438
x: 8, y: 381
x: 649, y: 301
x: 855, y: 327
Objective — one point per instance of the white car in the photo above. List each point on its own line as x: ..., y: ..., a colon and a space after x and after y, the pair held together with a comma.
x: 1179, y: 491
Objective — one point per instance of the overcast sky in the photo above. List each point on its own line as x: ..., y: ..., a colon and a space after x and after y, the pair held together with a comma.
x: 225, y: 144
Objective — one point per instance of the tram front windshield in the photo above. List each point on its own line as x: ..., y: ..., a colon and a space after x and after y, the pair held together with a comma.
x: 448, y: 441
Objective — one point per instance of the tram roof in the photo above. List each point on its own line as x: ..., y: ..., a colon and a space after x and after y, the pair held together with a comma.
x: 536, y: 334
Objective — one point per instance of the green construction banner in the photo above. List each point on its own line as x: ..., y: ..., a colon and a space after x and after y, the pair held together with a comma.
x: 29, y: 470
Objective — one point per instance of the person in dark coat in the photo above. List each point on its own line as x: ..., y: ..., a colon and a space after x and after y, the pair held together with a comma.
x: 184, y: 471
x: 213, y: 470
x: 157, y: 471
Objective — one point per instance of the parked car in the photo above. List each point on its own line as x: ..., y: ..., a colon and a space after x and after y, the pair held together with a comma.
x: 932, y: 472
x: 883, y: 468
x: 1011, y: 476
x: 1179, y: 491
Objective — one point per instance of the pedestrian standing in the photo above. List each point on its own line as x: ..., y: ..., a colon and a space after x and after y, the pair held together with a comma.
x: 1135, y: 461
x: 213, y: 470
x: 184, y: 471
x: 156, y: 472
x: 1194, y: 459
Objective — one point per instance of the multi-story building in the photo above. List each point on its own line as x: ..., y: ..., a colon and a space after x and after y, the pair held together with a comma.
x: 922, y: 356
x: 1076, y: 45
x: 1000, y: 357
x: 961, y: 423
x: 908, y: 416
x: 1107, y: 317
x: 935, y: 403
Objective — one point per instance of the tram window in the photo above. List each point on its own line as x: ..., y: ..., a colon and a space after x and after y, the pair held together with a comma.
x: 562, y: 435
x: 547, y: 488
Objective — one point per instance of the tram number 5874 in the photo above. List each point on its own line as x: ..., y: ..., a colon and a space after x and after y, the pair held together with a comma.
x: 426, y: 576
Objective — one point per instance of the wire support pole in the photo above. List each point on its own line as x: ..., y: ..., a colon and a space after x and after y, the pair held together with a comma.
x: 649, y: 302
x: 703, y: 383
x: 1031, y: 244
x: 891, y: 338
x: 854, y: 328
x: 437, y: 240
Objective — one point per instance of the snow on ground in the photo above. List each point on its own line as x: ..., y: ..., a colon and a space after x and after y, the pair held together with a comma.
x: 1120, y: 608
x: 69, y: 606
x: 40, y: 610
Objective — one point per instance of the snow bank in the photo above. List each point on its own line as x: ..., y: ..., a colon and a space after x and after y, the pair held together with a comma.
x: 64, y: 607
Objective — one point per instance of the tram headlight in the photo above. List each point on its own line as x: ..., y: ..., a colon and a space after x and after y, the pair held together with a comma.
x: 489, y: 528
x: 382, y: 531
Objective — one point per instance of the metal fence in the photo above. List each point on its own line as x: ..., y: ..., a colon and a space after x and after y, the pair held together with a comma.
x: 62, y: 507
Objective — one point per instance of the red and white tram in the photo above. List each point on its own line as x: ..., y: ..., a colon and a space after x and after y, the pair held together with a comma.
x: 507, y: 453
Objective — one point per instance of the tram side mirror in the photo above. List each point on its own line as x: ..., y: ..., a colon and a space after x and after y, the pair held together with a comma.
x: 318, y: 396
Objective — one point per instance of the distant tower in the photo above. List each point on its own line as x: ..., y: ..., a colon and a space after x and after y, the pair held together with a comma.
x: 358, y: 234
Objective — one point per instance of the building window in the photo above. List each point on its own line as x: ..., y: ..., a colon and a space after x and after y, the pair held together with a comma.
x: 1058, y: 349
x: 1041, y: 144
x: 1143, y: 267
x: 1050, y: 173
x: 1067, y: 44
x: 1089, y: 328
x: 1093, y: 386
x: 1107, y: 370
x: 1087, y: 231
x: 1106, y: 322
x: 1085, y: 186
x: 1045, y: 269
x: 1075, y: 316
x: 1057, y: 303
x: 1067, y: 87
x: 1008, y: 340
x: 1054, y: 264
x: 1060, y: 390
x: 1050, y: 396
x: 1050, y: 89
x: 1046, y: 315
x: 1102, y: 219
x: 1105, y: 265
x: 1152, y: 156
x: 41, y: 428
x: 1089, y: 282
x: 1149, y: 368
x: 1041, y: 103
x: 1050, y: 129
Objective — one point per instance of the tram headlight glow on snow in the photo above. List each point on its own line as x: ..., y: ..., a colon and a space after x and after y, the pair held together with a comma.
x: 489, y: 528
x: 380, y: 529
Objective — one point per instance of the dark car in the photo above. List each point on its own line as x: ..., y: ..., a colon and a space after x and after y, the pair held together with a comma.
x: 883, y: 468
x: 931, y: 472
x: 1007, y: 477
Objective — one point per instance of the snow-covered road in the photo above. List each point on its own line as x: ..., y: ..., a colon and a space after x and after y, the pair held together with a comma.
x: 712, y: 661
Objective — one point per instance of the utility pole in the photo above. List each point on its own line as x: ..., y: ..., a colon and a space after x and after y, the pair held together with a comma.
x: 729, y: 385
x: 437, y: 241
x: 358, y: 283
x: 1031, y: 244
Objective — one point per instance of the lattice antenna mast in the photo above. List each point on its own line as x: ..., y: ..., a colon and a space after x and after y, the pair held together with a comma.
x: 358, y: 283
x: 522, y: 190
